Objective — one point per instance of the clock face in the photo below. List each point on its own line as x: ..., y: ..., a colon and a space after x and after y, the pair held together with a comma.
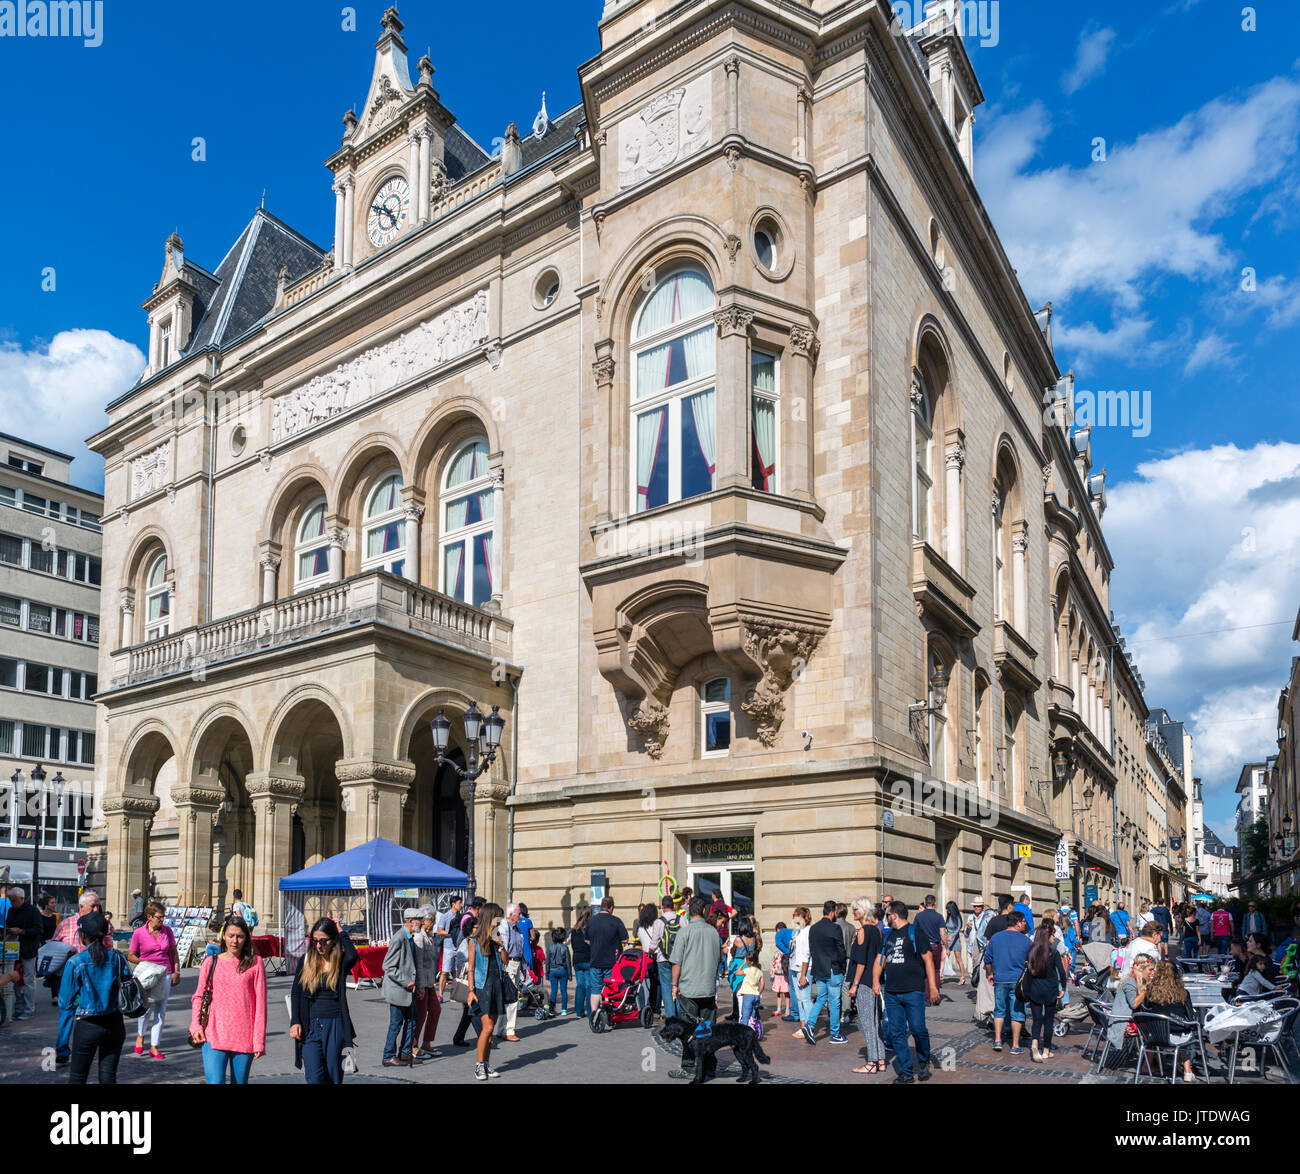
x: 389, y: 211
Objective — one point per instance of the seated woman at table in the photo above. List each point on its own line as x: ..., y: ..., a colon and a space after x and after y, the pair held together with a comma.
x: 1240, y: 960
x: 1167, y: 995
x: 1129, y: 997
x: 320, y: 1024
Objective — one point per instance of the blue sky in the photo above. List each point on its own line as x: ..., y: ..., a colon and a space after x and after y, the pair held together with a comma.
x: 1140, y: 243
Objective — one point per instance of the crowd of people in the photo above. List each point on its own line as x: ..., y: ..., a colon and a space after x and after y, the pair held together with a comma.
x: 874, y: 965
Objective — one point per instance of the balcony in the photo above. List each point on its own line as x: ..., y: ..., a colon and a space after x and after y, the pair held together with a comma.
x: 1014, y: 658
x: 371, y: 598
x: 941, y: 591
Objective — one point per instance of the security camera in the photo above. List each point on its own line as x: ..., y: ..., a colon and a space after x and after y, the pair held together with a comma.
x: 807, y: 739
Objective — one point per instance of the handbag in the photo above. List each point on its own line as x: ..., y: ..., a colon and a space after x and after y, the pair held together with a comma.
x: 205, y: 1004
x: 509, y: 992
x: 1023, y: 984
x: 131, y: 999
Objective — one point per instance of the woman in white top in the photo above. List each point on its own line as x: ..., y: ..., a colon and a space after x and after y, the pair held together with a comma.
x: 800, y: 958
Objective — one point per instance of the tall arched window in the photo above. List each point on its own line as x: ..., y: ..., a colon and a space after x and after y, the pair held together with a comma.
x: 467, y: 525
x: 923, y: 459
x: 999, y: 548
x: 673, y: 434
x: 385, y: 527
x: 157, y: 600
x: 312, y: 549
x: 1009, y: 765
x: 763, y: 394
x: 939, y: 723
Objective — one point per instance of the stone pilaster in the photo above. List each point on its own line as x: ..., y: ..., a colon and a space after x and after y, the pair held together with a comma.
x: 731, y: 412
x: 274, y: 797
x: 490, y: 820
x: 128, y: 816
x: 374, y: 793
x: 197, y: 806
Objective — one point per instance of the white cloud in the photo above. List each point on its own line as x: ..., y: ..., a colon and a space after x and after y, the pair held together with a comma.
x: 56, y: 395
x: 1211, y: 350
x: 1206, y: 540
x: 1280, y: 301
x: 1149, y: 209
x: 1089, y: 341
x: 1089, y: 60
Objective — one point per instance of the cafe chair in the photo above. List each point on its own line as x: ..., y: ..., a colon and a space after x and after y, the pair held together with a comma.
x: 1156, y: 1038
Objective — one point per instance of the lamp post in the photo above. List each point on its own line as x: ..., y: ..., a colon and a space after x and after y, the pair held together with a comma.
x: 38, y: 785
x: 483, y: 735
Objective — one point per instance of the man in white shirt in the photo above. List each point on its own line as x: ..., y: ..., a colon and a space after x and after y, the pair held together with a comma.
x: 800, y: 960
x: 1148, y: 942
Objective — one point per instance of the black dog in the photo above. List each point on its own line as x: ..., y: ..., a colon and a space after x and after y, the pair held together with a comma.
x: 742, y: 1041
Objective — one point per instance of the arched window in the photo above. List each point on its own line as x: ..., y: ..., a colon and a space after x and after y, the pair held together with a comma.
x: 999, y: 546
x: 715, y: 717
x: 763, y: 394
x: 981, y: 732
x: 467, y: 525
x: 923, y: 459
x: 1009, y: 765
x: 939, y: 723
x: 385, y: 527
x: 312, y: 550
x: 157, y: 600
x: 673, y: 445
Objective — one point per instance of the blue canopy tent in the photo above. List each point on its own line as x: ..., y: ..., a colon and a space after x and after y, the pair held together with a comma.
x: 364, y: 889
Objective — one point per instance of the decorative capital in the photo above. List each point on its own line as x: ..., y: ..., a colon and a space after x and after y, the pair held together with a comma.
x: 1020, y: 542
x: 498, y: 476
x: 130, y: 806
x: 337, y: 536
x: 1047, y: 476
x: 192, y: 797
x: 413, y: 511
x: 732, y: 64
x: 126, y: 600
x: 603, y: 370
x: 267, y: 786
x: 649, y: 721
x: 997, y: 503
x: 269, y: 561
x: 804, y: 94
x: 733, y: 320
x: 955, y: 457
x: 804, y: 341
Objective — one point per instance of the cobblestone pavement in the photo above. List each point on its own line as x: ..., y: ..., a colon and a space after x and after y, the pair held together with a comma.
x: 564, y: 1050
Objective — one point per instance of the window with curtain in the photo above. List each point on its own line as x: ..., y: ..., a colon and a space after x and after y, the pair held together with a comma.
x: 468, y: 525
x: 999, y: 567
x: 673, y: 434
x: 312, y: 550
x: 11, y: 550
x: 385, y: 541
x: 763, y: 396
x: 938, y: 729
x: 157, y: 601
x: 981, y: 767
x: 715, y: 717
x: 922, y: 449
x: 1008, y: 751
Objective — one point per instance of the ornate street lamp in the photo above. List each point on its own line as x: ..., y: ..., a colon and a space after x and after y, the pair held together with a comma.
x: 483, y: 736
x: 38, y: 784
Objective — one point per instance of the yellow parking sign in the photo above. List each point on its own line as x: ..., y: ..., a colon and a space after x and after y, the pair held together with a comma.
x: 1024, y: 851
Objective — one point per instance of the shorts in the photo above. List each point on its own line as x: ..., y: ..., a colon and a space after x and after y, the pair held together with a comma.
x: 1005, y: 1003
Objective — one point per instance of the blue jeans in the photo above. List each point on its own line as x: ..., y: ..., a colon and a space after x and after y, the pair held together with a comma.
x: 803, y: 997
x: 560, y: 988
x: 903, y: 1014
x: 747, y: 1005
x: 322, y: 1051
x: 401, y: 1031
x: 1005, y: 1003
x: 215, y: 1064
x: 666, y: 988
x: 582, y: 988
x: 828, y: 990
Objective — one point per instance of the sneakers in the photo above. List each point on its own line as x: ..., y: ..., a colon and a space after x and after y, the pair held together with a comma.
x: 493, y: 1074
x: 904, y: 1079
x: 681, y: 1074
x: 997, y: 1045
x: 923, y: 1073
x: 1017, y: 1051
x: 807, y: 1033
x: 480, y: 1071
x: 836, y: 1038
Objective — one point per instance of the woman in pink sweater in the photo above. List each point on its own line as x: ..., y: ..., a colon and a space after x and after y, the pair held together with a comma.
x: 235, y: 1034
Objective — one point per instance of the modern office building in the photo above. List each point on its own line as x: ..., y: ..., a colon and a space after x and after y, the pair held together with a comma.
x: 49, y: 663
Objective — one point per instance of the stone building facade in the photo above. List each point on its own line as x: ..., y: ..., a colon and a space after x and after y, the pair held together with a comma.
x: 700, y: 429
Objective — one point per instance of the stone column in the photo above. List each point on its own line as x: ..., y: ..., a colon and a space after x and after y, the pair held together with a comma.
x: 274, y: 797
x: 1019, y: 578
x: 197, y: 806
x: 498, y: 526
x: 126, y: 627
x: 489, y: 822
x: 413, y: 173
x: 373, y: 795
x: 795, y: 479
x: 268, y: 558
x: 421, y: 210
x: 954, y: 459
x: 128, y: 816
x: 336, y: 528
x: 413, y: 512
x: 318, y: 830
x: 803, y: 149
x: 349, y: 189
x: 732, y: 66
x: 731, y: 413
x: 340, y: 223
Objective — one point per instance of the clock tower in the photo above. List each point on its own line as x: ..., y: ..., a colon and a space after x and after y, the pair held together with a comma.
x: 391, y: 167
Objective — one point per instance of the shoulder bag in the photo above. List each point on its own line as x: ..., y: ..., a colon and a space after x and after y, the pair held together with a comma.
x: 205, y: 1003
x: 131, y: 999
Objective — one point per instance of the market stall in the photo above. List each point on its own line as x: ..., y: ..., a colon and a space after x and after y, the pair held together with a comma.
x: 364, y: 891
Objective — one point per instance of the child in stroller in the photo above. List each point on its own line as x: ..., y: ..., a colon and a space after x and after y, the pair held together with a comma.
x: 618, y: 997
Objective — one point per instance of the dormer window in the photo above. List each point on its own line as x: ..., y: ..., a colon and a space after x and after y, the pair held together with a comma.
x: 165, y: 344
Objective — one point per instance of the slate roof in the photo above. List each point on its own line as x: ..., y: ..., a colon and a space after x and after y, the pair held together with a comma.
x: 243, y: 289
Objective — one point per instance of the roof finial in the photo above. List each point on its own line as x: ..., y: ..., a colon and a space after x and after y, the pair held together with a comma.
x: 264, y: 198
x: 390, y: 21
x: 542, y: 123
x: 426, y: 69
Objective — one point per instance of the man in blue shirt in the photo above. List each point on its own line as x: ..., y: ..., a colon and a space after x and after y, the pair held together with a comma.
x: 1022, y: 906
x: 1004, y: 959
x: 1119, y: 919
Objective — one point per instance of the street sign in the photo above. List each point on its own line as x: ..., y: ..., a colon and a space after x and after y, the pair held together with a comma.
x: 81, y: 868
x: 1062, y: 860
x: 1089, y: 894
x: 1024, y: 851
x: 599, y: 883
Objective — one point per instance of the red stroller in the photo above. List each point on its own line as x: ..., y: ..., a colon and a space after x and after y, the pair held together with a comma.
x: 618, y: 997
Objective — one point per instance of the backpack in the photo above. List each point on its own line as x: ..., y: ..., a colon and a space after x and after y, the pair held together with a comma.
x: 250, y: 915
x: 671, y: 929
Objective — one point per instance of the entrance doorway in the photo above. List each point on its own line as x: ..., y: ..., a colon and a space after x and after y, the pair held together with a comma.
x: 725, y: 863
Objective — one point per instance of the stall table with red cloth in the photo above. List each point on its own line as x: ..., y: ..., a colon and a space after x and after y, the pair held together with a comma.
x: 370, y: 965
x: 270, y: 948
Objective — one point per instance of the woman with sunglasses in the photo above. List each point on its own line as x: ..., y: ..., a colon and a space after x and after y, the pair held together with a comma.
x: 235, y: 1034
x: 321, y: 1026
